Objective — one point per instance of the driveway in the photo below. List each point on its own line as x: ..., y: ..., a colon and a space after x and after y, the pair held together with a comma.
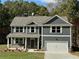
x: 59, y: 56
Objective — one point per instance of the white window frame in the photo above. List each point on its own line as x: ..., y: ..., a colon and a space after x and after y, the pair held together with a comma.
x: 14, y: 30
x: 30, y: 30
x: 20, y: 30
x: 55, y: 29
x: 61, y: 29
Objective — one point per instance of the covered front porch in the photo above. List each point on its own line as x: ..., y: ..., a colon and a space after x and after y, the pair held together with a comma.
x: 23, y: 42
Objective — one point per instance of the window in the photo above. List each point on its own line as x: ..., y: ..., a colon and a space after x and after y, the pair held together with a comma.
x: 53, y: 29
x: 21, y: 29
x: 19, y: 41
x: 12, y: 29
x: 32, y: 29
x: 56, y: 29
x: 17, y: 29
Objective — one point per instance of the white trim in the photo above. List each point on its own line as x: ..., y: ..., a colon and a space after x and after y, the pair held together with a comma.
x: 25, y: 43
x: 50, y: 29
x: 70, y: 37
x: 23, y: 29
x: 56, y: 35
x: 11, y: 41
x: 14, y: 41
x: 64, y: 20
x: 41, y: 37
x: 61, y: 29
x: 38, y: 43
x: 7, y: 42
x: 34, y: 29
x: 56, y: 29
x: 14, y: 30
x: 29, y: 29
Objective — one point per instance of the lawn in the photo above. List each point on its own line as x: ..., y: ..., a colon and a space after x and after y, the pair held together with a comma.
x: 19, y: 55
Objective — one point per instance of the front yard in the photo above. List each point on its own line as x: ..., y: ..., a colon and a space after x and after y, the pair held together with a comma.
x: 21, y: 55
x: 18, y: 54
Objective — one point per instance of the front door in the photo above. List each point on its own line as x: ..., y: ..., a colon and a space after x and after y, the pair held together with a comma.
x: 32, y: 43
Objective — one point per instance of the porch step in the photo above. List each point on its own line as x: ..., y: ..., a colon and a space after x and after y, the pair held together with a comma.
x: 31, y: 50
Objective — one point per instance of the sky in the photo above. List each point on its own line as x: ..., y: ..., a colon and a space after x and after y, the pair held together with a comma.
x: 40, y: 2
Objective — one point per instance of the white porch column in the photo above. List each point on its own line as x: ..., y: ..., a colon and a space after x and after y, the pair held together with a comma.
x: 11, y: 41
x: 25, y: 43
x: 14, y: 41
x: 70, y: 38
x: 38, y: 44
x: 41, y: 37
x: 38, y: 39
x: 7, y: 42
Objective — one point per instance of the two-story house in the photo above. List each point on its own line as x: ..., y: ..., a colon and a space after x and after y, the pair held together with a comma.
x: 40, y: 32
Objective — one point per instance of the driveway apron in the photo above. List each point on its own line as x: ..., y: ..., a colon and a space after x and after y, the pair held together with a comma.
x: 59, y: 56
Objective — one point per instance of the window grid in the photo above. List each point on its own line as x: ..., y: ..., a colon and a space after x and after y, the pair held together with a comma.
x: 56, y: 29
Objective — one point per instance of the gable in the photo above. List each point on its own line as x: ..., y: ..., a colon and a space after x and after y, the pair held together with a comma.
x: 57, y: 20
x: 32, y: 23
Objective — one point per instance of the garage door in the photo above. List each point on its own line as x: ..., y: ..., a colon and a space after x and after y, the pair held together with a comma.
x: 56, y: 47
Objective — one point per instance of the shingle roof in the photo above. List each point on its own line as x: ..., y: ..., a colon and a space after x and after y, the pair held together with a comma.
x: 23, y: 35
x: 38, y: 20
x: 23, y: 21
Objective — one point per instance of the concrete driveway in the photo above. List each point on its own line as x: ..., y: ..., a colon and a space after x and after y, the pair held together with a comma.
x: 59, y: 56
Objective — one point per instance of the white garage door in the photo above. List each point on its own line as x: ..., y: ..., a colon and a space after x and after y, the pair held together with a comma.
x: 57, y: 47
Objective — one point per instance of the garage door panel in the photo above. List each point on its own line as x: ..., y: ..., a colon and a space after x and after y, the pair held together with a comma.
x: 57, y: 46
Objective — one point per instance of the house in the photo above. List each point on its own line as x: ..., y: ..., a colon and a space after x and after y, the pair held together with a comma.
x: 40, y: 32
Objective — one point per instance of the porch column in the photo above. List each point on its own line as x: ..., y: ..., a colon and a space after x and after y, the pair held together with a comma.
x: 38, y: 39
x: 41, y: 37
x: 70, y: 38
x: 11, y: 41
x: 25, y: 43
x: 14, y: 41
x: 38, y: 44
x: 7, y: 42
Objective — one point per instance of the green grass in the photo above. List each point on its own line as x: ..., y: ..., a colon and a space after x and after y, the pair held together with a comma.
x: 3, y: 46
x: 21, y: 55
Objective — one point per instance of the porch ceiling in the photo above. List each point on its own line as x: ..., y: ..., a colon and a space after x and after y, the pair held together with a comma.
x: 20, y: 35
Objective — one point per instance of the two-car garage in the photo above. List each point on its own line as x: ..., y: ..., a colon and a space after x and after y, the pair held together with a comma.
x: 56, y: 46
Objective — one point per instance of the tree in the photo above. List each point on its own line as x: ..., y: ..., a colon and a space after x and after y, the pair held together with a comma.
x: 10, y: 9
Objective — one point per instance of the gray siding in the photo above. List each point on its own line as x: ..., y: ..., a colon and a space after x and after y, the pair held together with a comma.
x: 65, y: 31
x: 57, y: 39
x: 56, y: 20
